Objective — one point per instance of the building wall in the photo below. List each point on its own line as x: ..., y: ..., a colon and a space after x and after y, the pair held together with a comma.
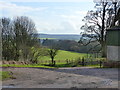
x: 113, y: 44
x: 113, y: 38
x: 113, y: 53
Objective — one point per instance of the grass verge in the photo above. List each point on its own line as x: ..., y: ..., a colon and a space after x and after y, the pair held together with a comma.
x: 15, y: 65
x: 5, y: 75
x: 49, y: 66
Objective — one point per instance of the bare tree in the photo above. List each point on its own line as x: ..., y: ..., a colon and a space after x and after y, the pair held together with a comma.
x: 24, y: 30
x: 96, y: 23
x: 116, y: 19
x: 18, y: 36
x: 7, y: 39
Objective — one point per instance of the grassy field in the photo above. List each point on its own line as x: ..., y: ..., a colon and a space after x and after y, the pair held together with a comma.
x: 63, y: 59
x: 62, y: 56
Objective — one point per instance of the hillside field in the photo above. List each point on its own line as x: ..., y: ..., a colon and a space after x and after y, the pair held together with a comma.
x: 62, y: 56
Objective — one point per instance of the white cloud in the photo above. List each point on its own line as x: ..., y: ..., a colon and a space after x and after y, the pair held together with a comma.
x: 75, y: 15
x: 57, y: 0
x: 68, y: 23
x: 74, y: 21
x: 46, y: 26
x: 13, y: 9
x: 49, y: 0
x: 81, y: 12
x: 61, y: 27
x: 58, y: 27
x: 69, y: 16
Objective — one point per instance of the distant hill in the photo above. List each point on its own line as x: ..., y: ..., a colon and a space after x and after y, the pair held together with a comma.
x: 60, y: 36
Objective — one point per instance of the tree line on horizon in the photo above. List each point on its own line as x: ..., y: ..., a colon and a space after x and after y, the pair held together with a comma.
x: 69, y: 45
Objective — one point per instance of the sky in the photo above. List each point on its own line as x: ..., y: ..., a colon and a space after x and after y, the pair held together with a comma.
x: 49, y: 16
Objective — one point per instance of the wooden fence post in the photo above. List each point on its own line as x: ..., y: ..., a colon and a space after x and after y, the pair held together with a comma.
x: 54, y: 63
x: 100, y: 63
x: 67, y: 61
x: 83, y: 62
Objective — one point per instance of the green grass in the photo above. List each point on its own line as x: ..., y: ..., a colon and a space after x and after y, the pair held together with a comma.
x: 60, y: 59
x: 96, y: 66
x: 58, y: 65
x: 4, y: 75
x: 62, y: 56
x: 35, y: 65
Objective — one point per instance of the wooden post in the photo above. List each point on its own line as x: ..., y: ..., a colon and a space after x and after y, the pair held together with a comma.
x: 83, y: 62
x: 100, y: 63
x: 67, y: 61
x: 54, y: 63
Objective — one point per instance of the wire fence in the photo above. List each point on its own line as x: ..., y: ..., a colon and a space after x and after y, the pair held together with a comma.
x: 84, y: 61
x: 79, y: 61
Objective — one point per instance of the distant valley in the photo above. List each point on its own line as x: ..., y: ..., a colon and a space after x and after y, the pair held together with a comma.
x: 60, y: 36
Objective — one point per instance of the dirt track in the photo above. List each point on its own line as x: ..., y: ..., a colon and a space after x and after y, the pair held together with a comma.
x: 62, y: 78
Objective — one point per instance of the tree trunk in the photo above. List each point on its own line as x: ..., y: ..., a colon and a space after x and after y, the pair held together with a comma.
x: 104, y: 51
x: 16, y: 54
x: 103, y: 42
x: 52, y: 61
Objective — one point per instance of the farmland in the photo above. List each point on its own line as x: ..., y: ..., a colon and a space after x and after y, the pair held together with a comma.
x: 62, y: 56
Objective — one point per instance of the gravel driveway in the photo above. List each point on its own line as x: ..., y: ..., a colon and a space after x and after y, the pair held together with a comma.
x: 82, y: 77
